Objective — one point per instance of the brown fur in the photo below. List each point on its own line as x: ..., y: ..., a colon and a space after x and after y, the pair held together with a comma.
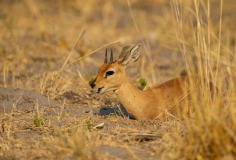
x: 171, y: 96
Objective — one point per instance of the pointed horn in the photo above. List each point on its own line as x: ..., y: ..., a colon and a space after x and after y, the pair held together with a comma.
x: 105, y: 61
x: 111, y: 59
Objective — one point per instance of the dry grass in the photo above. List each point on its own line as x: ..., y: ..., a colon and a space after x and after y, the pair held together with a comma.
x: 56, y: 47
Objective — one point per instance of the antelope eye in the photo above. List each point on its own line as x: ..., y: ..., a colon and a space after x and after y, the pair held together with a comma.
x: 109, y: 73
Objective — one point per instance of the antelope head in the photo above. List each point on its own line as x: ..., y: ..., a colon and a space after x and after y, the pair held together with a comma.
x: 111, y: 75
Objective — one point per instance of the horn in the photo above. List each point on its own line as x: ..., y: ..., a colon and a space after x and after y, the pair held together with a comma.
x: 111, y: 59
x: 105, y: 61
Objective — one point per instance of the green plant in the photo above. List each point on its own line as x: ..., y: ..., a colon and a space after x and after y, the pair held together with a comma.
x: 142, y: 83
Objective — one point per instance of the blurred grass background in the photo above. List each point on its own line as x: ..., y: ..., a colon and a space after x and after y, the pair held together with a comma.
x: 37, y: 36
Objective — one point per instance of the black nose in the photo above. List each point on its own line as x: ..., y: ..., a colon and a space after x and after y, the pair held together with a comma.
x: 92, y: 84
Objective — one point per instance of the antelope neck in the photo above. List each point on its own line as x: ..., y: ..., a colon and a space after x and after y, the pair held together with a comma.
x: 131, y: 97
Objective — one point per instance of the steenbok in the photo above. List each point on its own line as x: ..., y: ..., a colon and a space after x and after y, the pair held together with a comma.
x: 171, y: 96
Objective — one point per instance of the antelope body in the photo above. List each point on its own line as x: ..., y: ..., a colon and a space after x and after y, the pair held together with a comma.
x: 142, y: 104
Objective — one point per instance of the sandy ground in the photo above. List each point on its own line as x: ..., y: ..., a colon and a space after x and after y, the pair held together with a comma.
x: 21, y: 104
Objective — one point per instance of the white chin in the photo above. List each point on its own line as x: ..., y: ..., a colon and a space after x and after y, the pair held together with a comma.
x: 100, y: 91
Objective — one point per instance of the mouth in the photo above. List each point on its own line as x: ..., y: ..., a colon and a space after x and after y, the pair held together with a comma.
x: 100, y: 90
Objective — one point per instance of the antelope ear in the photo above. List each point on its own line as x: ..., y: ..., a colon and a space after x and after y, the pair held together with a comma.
x: 129, y: 54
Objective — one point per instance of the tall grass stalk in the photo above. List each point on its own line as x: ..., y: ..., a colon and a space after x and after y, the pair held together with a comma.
x: 211, y: 133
